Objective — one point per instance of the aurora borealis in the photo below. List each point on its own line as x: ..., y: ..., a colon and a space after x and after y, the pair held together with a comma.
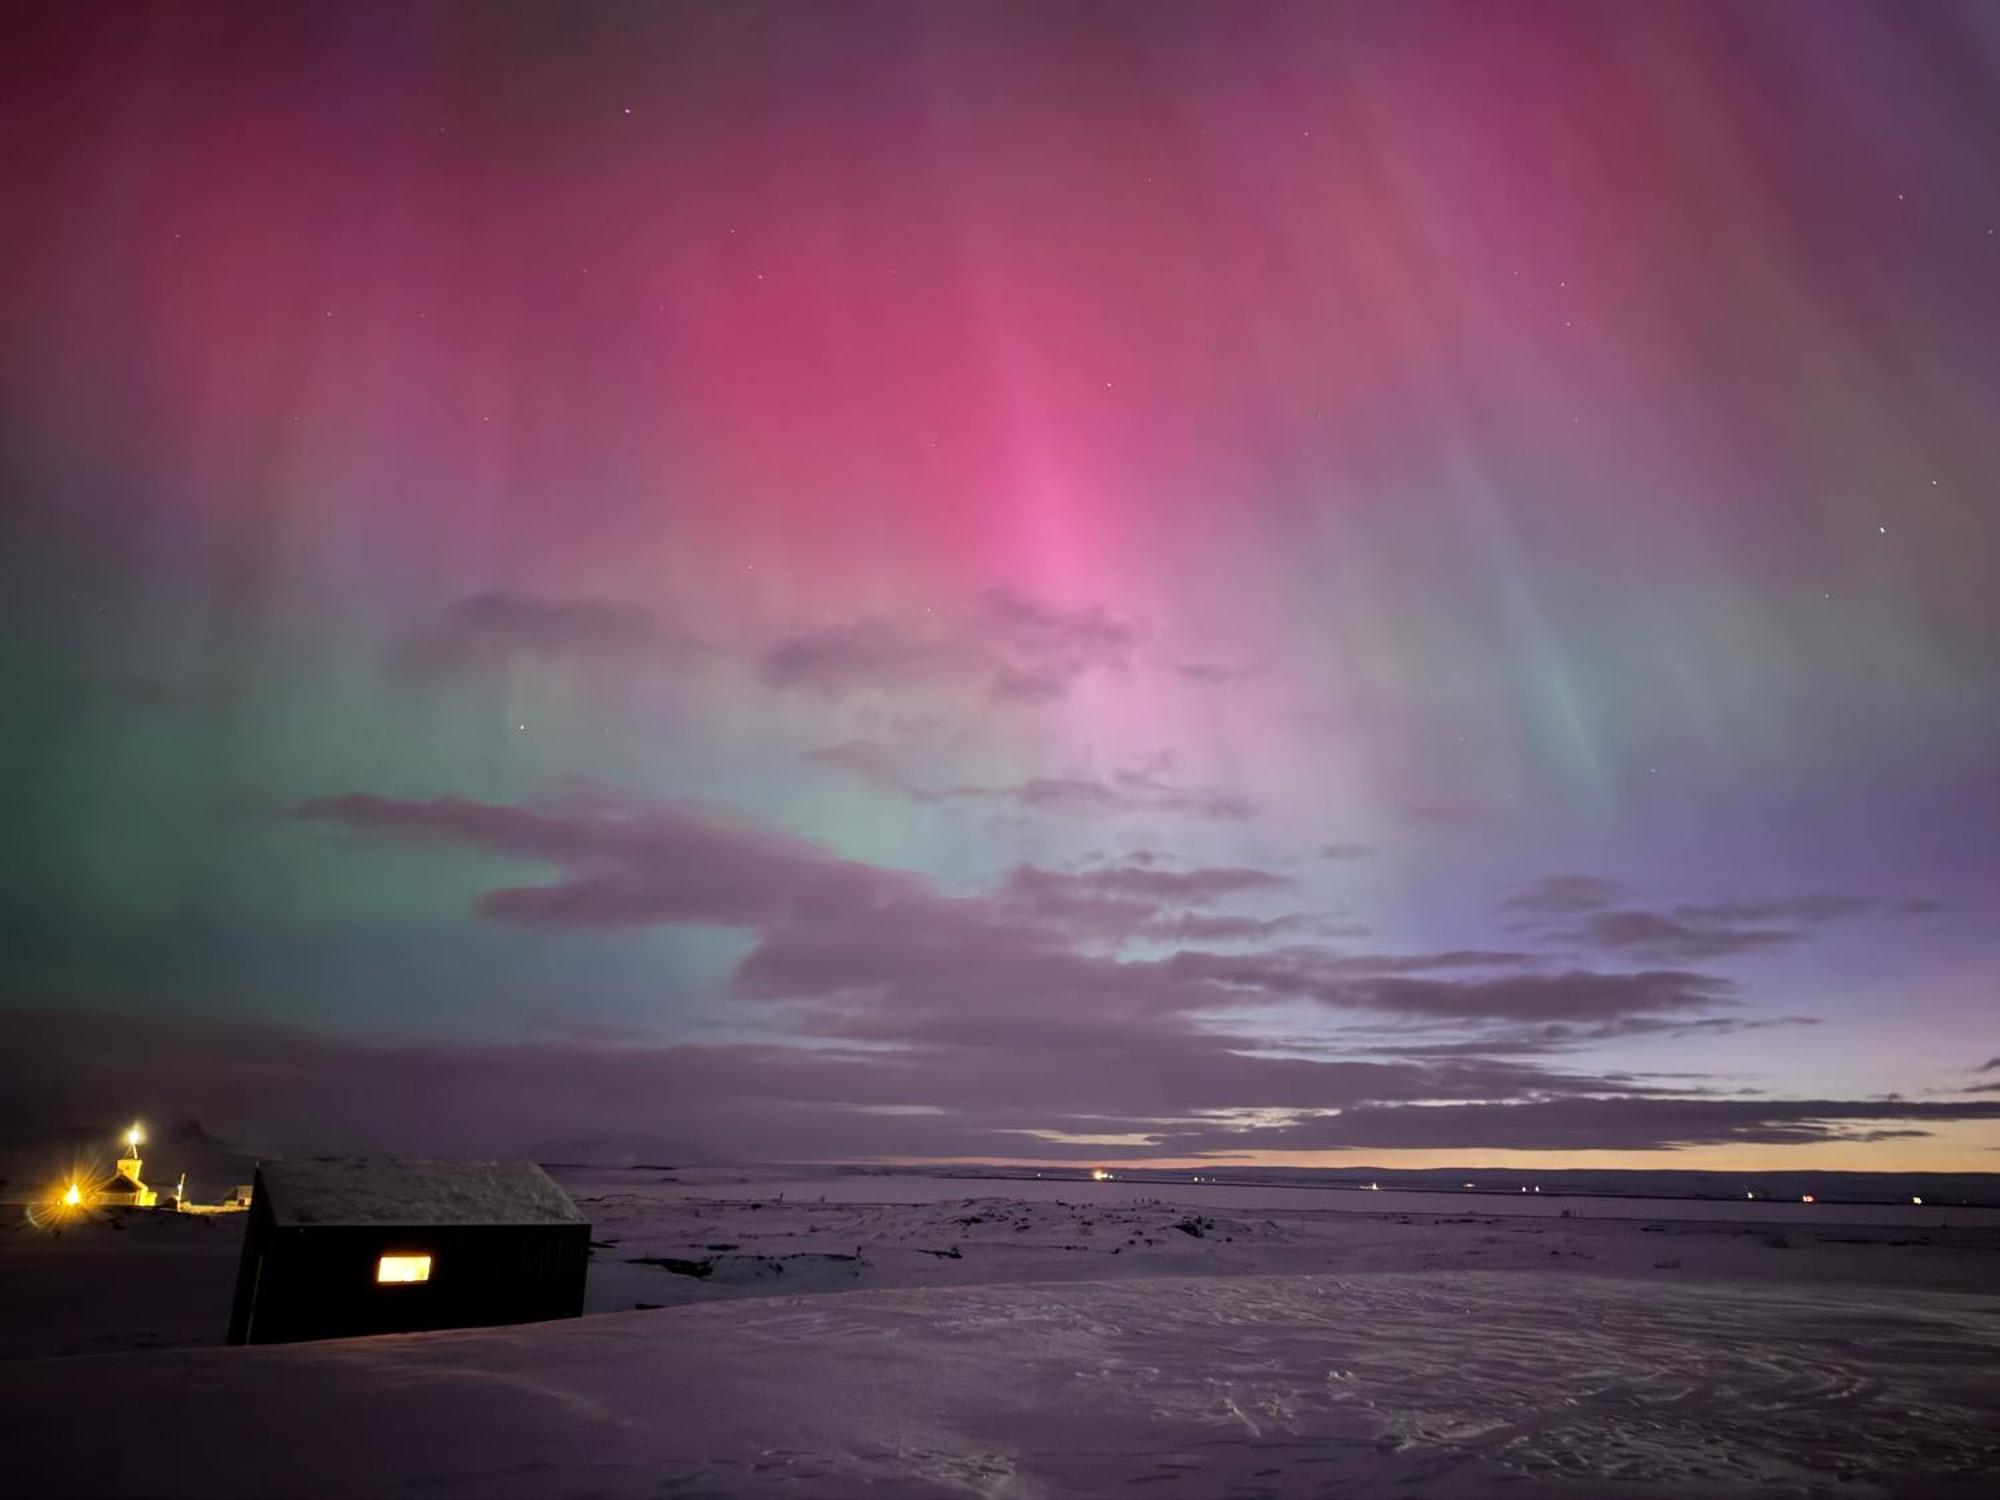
x: 1063, y: 583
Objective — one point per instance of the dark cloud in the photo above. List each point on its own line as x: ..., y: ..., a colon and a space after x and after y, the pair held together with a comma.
x: 280, y: 1089
x: 1693, y: 932
x: 1654, y: 938
x: 1346, y: 851
x: 1552, y: 1037
x: 1121, y: 791
x: 1401, y: 985
x: 1447, y: 812
x: 1145, y: 882
x: 867, y: 653
x: 1212, y: 673
x: 1577, y: 995
x: 881, y: 766
x: 1991, y: 1065
x: 1212, y: 927
x: 884, y: 953
x: 1564, y: 895
x: 1134, y: 899
x: 1010, y: 646
x: 1141, y: 788
x: 994, y: 1014
x: 1811, y: 909
x: 488, y: 629
x: 833, y: 929
x: 664, y: 863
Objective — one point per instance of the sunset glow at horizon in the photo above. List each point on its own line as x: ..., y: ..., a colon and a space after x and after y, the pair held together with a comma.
x: 1109, y: 586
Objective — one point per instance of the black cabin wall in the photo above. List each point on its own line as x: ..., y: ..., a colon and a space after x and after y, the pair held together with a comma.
x: 318, y: 1281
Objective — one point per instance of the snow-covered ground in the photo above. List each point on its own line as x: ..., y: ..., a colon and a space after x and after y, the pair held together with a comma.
x: 665, y: 1243
x: 986, y: 1343
x: 1466, y: 1384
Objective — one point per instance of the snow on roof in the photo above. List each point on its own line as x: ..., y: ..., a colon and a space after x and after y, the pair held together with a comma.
x: 393, y: 1190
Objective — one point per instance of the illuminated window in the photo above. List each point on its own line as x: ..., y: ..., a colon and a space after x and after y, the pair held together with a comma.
x: 403, y: 1268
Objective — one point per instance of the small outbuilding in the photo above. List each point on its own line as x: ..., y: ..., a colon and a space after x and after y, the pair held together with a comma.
x: 339, y: 1248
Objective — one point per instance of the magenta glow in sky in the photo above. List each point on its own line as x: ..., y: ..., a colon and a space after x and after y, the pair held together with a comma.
x: 1126, y: 582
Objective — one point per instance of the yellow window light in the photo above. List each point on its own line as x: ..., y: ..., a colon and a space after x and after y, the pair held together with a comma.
x: 403, y: 1268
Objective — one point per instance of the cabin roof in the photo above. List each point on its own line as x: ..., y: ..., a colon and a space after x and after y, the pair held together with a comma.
x: 399, y: 1191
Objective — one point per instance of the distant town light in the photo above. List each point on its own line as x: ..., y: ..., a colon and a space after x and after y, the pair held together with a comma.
x: 1098, y: 1174
x: 1808, y: 1199
x: 403, y: 1268
x: 1918, y: 1201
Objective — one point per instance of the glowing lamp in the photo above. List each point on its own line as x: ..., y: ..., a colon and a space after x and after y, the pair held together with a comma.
x: 74, y: 1197
x: 134, y: 1136
x: 402, y: 1269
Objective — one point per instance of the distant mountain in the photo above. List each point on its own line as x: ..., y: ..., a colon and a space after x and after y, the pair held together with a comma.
x: 213, y: 1166
x: 604, y: 1151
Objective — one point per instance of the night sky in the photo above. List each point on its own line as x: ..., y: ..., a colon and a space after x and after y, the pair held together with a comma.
x: 1052, y: 582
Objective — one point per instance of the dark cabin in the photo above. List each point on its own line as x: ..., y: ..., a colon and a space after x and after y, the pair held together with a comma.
x: 336, y: 1249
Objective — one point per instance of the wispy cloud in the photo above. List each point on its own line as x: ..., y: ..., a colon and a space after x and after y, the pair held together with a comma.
x: 499, y: 626
x: 1008, y: 646
x: 1214, y: 673
x: 1141, y: 787
x: 1346, y: 851
x: 1695, y: 931
x: 1564, y: 895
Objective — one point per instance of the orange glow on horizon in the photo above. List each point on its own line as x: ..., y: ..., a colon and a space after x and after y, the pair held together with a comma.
x: 1951, y: 1148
